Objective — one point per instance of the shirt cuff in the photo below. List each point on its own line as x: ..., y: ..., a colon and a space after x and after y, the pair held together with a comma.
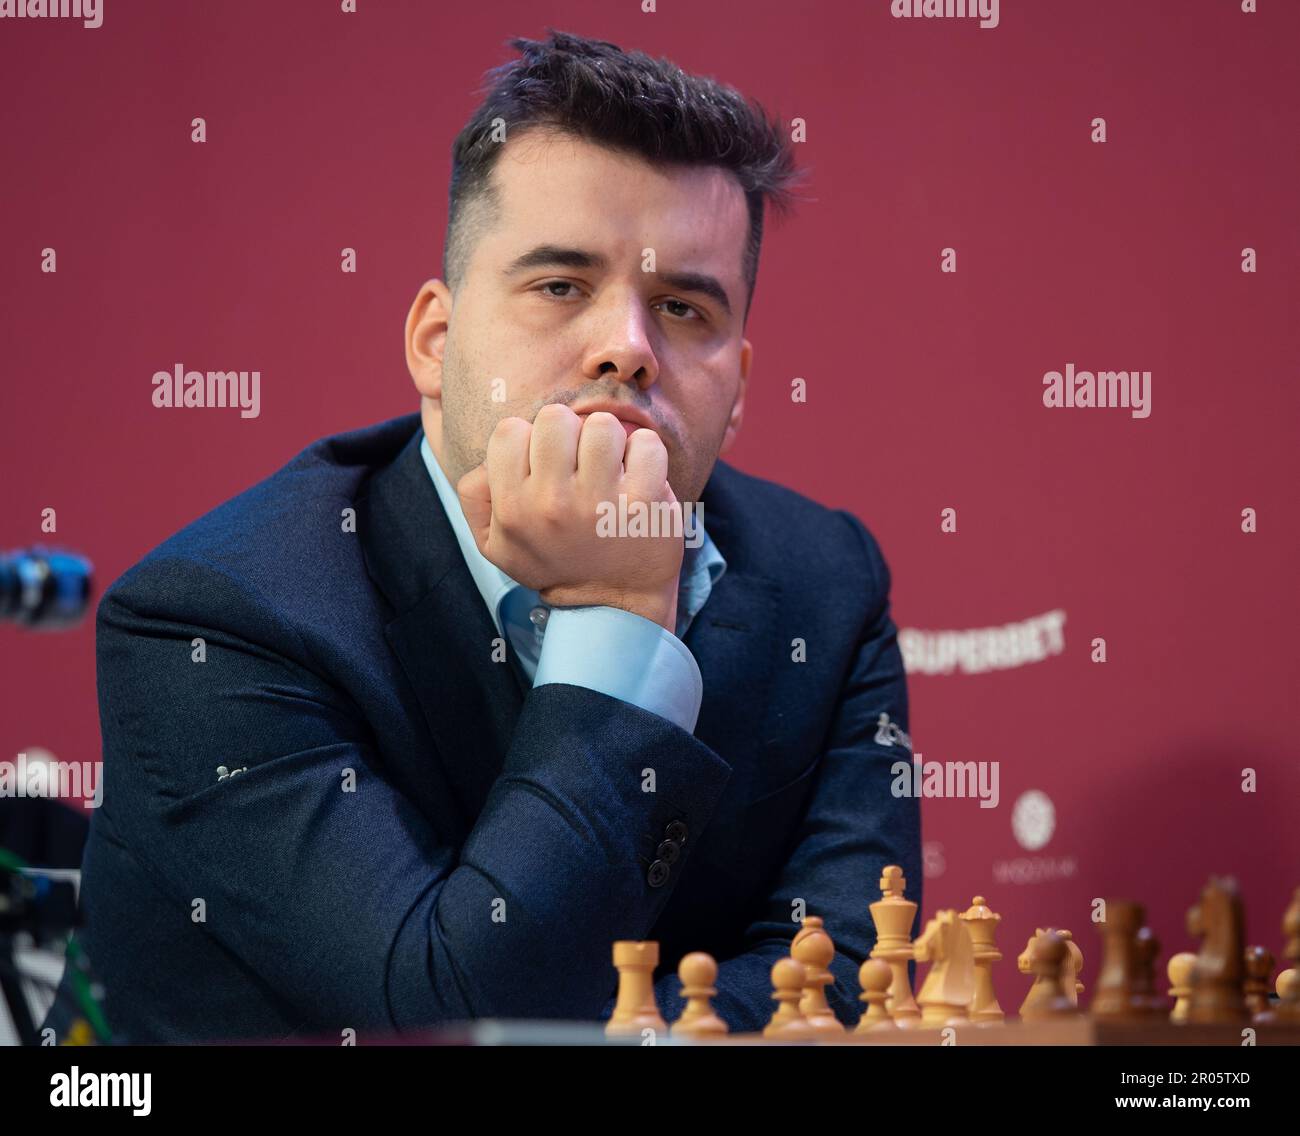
x: 624, y: 655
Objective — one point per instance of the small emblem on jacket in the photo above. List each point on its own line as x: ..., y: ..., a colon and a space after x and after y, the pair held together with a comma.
x: 888, y: 733
x: 223, y: 772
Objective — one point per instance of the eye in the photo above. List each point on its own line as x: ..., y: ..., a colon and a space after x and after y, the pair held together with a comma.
x: 684, y: 304
x: 555, y: 284
x: 682, y: 310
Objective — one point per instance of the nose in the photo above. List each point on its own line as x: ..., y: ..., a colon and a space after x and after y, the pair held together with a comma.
x: 621, y: 347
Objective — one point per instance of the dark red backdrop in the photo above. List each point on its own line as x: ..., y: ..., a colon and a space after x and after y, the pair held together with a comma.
x: 328, y: 130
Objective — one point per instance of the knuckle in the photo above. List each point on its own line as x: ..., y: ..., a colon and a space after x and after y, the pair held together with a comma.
x: 505, y: 512
x: 552, y: 413
x: 550, y: 505
x: 646, y: 442
x: 507, y: 430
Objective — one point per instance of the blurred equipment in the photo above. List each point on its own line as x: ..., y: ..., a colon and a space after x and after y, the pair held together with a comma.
x: 38, y: 911
x: 44, y: 588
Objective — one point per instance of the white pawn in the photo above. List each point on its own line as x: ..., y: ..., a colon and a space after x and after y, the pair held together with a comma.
x: 698, y: 972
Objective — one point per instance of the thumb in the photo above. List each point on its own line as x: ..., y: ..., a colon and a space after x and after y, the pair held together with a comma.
x: 476, y: 503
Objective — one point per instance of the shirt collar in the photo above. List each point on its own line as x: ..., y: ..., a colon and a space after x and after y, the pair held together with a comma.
x: 702, y: 566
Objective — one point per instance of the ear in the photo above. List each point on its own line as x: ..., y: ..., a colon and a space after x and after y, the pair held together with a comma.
x: 426, y: 337
x: 738, y: 407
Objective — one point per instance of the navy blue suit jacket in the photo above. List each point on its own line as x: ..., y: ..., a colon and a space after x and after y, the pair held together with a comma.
x: 414, y: 837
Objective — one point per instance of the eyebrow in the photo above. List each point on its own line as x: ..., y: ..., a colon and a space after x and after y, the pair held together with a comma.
x: 547, y: 256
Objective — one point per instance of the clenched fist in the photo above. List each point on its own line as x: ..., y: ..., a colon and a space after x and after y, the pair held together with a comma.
x: 533, y: 507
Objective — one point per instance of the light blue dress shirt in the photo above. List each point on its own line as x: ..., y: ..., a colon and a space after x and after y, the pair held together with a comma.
x: 607, y: 649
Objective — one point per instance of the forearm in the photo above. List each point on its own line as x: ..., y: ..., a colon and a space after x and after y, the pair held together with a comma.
x: 555, y: 869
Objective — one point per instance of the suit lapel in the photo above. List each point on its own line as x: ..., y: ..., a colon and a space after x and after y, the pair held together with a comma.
x: 737, y: 640
x: 441, y: 633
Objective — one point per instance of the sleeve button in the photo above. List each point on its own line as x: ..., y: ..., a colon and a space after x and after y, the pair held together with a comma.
x: 658, y: 874
x: 677, y: 831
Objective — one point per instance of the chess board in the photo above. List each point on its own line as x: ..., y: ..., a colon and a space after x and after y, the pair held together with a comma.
x: 1081, y: 1030
x: 1217, y: 996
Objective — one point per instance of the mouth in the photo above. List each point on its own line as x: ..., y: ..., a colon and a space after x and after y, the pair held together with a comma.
x: 629, y: 419
x: 628, y: 427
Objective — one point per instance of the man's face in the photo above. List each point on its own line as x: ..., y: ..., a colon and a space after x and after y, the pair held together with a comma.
x: 598, y: 323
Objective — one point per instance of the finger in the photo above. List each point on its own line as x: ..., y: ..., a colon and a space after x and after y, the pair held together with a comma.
x: 601, y: 447
x: 476, y: 503
x: 507, y: 457
x: 646, y: 465
x: 553, y: 452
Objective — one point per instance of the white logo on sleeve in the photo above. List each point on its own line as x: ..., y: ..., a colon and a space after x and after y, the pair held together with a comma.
x: 888, y: 734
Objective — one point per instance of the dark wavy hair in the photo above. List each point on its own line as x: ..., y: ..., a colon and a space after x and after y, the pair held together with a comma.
x: 625, y: 101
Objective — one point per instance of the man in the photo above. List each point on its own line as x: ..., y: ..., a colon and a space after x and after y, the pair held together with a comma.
x: 405, y: 734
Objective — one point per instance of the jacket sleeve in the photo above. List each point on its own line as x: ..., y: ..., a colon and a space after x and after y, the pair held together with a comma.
x: 325, y: 880
x: 852, y: 827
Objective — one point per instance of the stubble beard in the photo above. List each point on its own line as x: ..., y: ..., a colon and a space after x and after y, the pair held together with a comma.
x: 469, y: 417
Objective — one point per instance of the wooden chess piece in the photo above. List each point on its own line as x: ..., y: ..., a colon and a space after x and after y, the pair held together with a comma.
x: 893, y: 916
x: 1119, y: 961
x: 950, y: 984
x: 1073, y: 986
x: 698, y: 972
x: 1074, y: 964
x: 1180, y: 984
x: 982, y: 925
x: 1218, y: 979
x: 1288, y: 992
x: 1025, y: 959
x: 1143, y: 996
x: 1049, y: 960
x: 1288, y: 1007
x: 874, y: 976
x: 635, y: 1009
x: 1259, y: 969
x: 788, y: 1022
x: 813, y: 947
